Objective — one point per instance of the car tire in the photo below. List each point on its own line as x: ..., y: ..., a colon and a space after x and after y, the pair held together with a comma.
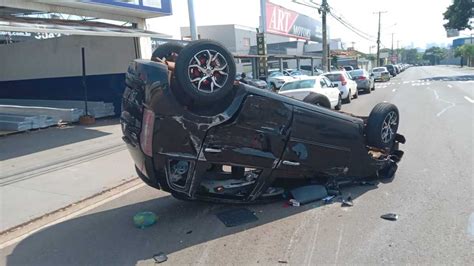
x: 368, y: 90
x: 318, y: 99
x: 382, y: 126
x: 356, y: 95
x: 274, y: 87
x: 169, y: 51
x: 339, y: 103
x: 373, y: 86
x: 205, y: 70
x: 348, y: 98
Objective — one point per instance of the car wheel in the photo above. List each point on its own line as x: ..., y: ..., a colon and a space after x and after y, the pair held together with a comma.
x: 368, y: 90
x: 356, y: 95
x: 339, y: 103
x: 373, y: 86
x: 318, y: 99
x: 168, y: 51
x: 348, y: 98
x: 205, y: 70
x: 382, y: 126
x: 274, y: 87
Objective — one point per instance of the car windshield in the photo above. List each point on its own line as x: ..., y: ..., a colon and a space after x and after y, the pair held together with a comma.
x: 296, y: 73
x: 295, y: 85
x: 379, y: 69
x: 334, y: 77
x: 357, y: 73
x: 275, y: 74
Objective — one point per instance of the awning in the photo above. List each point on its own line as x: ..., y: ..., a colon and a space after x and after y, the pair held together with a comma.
x: 73, y: 27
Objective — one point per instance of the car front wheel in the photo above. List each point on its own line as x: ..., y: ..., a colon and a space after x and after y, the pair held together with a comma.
x: 382, y: 126
x: 339, y: 103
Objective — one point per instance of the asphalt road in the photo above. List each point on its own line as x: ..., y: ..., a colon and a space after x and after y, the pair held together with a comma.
x: 432, y: 194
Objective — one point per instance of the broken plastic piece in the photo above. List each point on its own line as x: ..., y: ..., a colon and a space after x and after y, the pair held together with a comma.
x: 328, y: 199
x: 160, y: 257
x: 347, y: 202
x: 309, y: 194
x: 144, y: 219
x: 390, y: 216
x: 294, y: 203
x: 236, y: 217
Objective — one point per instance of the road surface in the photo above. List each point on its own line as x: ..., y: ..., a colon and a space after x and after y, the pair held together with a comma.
x: 432, y: 194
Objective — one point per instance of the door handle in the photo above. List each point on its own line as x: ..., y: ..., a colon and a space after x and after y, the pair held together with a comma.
x: 212, y: 150
x: 290, y: 163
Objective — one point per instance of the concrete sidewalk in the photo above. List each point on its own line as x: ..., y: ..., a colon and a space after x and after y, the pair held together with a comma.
x: 45, y: 170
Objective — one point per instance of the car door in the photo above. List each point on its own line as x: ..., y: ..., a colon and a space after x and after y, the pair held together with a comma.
x: 255, y: 138
x: 329, y: 91
x: 319, y: 145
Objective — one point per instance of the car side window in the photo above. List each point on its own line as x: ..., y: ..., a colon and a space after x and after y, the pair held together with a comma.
x: 328, y: 82
x: 306, y: 84
x: 323, y: 84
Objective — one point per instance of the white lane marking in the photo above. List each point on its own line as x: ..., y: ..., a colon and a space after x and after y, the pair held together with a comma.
x: 449, y: 86
x: 451, y: 104
x: 72, y: 215
x: 314, y: 239
x: 469, y: 99
x: 405, y: 82
x: 470, y: 225
x: 394, y: 90
x: 339, y: 244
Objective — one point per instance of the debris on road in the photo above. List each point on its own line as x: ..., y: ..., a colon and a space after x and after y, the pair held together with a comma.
x: 390, y: 216
x: 307, y: 194
x: 347, y: 202
x: 144, y: 219
x: 189, y: 232
x: 329, y: 199
x: 235, y: 217
x: 160, y: 257
x: 282, y: 261
x: 294, y: 203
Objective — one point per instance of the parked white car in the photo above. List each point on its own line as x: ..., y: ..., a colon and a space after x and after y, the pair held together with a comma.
x: 276, y: 79
x: 381, y: 73
x: 297, y: 74
x: 311, y: 89
x: 345, y: 84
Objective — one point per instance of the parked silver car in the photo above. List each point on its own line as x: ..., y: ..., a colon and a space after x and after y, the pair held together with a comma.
x: 364, y: 80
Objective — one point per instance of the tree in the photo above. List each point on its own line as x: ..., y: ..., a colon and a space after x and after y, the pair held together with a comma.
x: 465, y: 51
x: 435, y: 54
x: 458, y: 15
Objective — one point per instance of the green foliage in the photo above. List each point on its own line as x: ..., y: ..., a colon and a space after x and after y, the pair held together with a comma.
x: 458, y: 15
x: 435, y: 54
x: 410, y: 56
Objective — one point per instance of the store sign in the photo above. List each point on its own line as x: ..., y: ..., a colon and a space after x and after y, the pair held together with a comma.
x: 154, y: 6
x: 286, y: 22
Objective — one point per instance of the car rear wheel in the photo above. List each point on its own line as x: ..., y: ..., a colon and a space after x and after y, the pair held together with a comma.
x: 205, y: 71
x: 368, y: 90
x: 382, y: 126
x: 168, y: 51
x: 348, y: 98
x: 318, y: 99
x: 339, y: 103
x: 356, y: 95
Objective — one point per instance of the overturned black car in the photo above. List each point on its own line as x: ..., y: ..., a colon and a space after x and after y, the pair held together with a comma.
x: 195, y: 132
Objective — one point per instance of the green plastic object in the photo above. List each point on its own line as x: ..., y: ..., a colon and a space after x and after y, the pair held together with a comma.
x: 144, y: 219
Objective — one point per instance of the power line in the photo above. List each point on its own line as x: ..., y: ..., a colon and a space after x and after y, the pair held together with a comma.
x: 351, y: 28
x: 341, y: 18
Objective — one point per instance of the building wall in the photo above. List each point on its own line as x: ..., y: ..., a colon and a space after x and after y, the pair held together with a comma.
x: 52, y: 69
x: 61, y: 57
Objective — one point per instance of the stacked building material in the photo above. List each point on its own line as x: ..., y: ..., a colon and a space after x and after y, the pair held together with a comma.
x: 96, y: 109
x: 9, y: 122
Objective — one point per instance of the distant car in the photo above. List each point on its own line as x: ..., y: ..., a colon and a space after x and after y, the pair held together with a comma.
x: 392, y: 70
x: 276, y: 79
x: 381, y: 74
x: 348, y: 68
x: 316, y: 90
x: 316, y: 71
x: 345, y: 84
x: 294, y: 73
x: 364, y: 80
x: 261, y: 84
x: 398, y: 69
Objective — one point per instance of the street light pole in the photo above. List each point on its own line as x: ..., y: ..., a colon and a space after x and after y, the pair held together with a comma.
x: 192, y: 20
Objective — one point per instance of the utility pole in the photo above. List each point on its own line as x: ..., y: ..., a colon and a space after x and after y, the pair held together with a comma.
x: 324, y: 9
x: 391, y: 59
x: 192, y: 20
x: 378, y: 38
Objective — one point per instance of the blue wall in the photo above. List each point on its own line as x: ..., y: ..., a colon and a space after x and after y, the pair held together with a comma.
x: 107, y: 88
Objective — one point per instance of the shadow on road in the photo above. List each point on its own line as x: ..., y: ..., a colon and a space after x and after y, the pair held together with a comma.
x: 108, y: 237
x: 39, y: 140
x: 451, y: 78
